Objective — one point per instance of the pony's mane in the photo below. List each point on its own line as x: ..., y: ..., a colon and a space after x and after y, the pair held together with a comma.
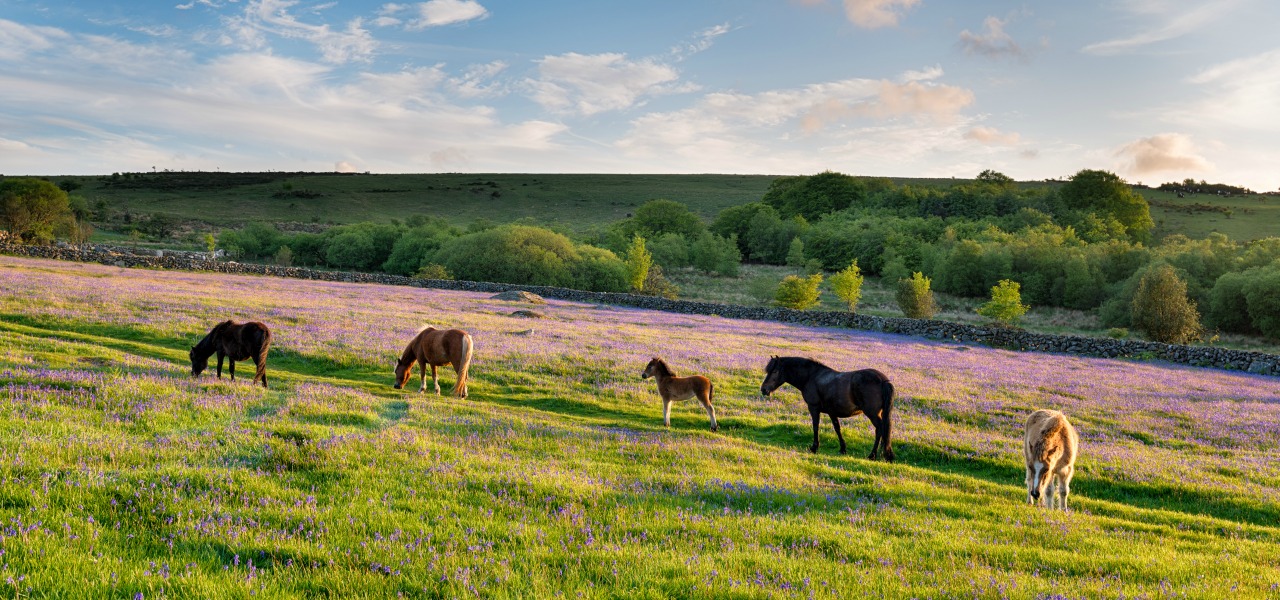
x: 663, y: 364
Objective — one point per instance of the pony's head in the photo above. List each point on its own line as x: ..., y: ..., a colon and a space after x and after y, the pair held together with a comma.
x: 198, y: 363
x: 654, y: 367
x: 404, y: 369
x: 772, y: 376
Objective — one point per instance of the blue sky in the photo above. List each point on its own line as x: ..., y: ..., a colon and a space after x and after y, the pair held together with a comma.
x: 1153, y: 90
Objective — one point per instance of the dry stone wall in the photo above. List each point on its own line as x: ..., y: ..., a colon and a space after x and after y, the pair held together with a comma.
x: 1001, y: 337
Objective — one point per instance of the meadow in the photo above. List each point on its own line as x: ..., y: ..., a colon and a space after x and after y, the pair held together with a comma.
x: 121, y: 476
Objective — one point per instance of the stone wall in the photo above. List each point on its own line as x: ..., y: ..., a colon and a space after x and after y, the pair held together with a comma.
x: 1001, y: 337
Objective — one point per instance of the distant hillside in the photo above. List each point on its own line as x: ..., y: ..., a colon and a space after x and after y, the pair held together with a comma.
x: 572, y: 202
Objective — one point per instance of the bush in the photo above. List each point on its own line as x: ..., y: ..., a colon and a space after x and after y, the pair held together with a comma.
x: 532, y: 256
x: 1006, y: 303
x: 800, y: 293
x: 639, y: 260
x: 1117, y: 333
x: 433, y: 271
x: 416, y: 247
x: 1161, y: 308
x: 256, y: 240
x: 847, y: 285
x: 915, y: 298
x: 33, y: 209
x: 714, y: 254
x: 352, y: 250
x: 671, y: 250
x: 1262, y: 293
x: 656, y: 284
x: 284, y: 257
x: 1228, y: 304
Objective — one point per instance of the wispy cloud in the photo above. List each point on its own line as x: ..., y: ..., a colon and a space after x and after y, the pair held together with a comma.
x: 1162, y: 153
x: 272, y: 17
x: 870, y: 14
x: 701, y: 41
x: 992, y: 42
x: 592, y: 83
x: 1163, y: 20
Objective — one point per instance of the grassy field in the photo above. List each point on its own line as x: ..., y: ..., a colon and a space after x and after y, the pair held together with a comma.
x: 124, y: 477
x: 1198, y: 215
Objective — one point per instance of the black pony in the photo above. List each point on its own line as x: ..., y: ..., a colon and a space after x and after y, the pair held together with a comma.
x: 838, y: 394
x: 236, y: 341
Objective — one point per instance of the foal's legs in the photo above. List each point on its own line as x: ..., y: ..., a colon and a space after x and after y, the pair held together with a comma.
x: 711, y: 410
x: 835, y: 422
x: 1064, y: 486
x: 666, y: 411
x: 817, y: 418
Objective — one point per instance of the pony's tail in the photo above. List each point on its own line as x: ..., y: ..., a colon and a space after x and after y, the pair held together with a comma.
x: 460, y: 389
x: 886, y: 396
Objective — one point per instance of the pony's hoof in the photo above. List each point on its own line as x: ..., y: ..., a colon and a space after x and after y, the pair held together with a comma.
x: 716, y: 428
x: 842, y: 451
x: 813, y: 449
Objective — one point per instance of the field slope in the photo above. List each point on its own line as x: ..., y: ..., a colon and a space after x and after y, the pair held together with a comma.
x: 120, y: 476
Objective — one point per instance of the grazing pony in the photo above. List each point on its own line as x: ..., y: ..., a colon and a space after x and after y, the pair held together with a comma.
x: 1050, y: 447
x: 235, y: 341
x: 838, y: 394
x: 437, y: 348
x: 673, y: 388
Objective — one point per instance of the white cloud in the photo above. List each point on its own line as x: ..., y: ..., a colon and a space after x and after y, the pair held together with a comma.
x: 17, y: 40
x: 447, y: 12
x: 992, y: 42
x: 876, y: 13
x: 479, y: 81
x: 1235, y: 96
x: 595, y: 83
x: 992, y: 136
x: 1162, y: 153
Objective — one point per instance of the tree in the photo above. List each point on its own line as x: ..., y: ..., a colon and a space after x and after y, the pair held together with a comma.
x: 847, y: 285
x: 1161, y: 308
x: 1006, y: 303
x: 639, y: 260
x: 33, y: 209
x: 211, y: 244
x: 816, y: 195
x: 657, y: 217
x: 713, y: 254
x: 995, y: 178
x: 799, y: 293
x: 1262, y: 294
x: 915, y: 298
x: 1106, y: 193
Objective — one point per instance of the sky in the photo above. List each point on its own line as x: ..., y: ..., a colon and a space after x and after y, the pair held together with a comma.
x: 1152, y: 90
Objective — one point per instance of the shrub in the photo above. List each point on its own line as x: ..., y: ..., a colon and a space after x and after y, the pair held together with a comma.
x: 800, y: 293
x: 671, y: 250
x: 284, y: 257
x: 433, y: 271
x: 416, y: 247
x: 656, y: 284
x: 915, y: 298
x: 1228, y: 304
x: 714, y: 254
x: 352, y: 250
x: 1006, y: 303
x: 1117, y: 333
x: 795, y: 253
x: 847, y: 285
x: 1161, y: 308
x: 533, y: 256
x: 255, y: 240
x: 597, y: 270
x: 639, y: 260
x: 1262, y: 293
x: 32, y: 209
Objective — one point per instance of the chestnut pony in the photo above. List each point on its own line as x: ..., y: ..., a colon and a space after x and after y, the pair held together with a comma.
x: 236, y: 341
x: 673, y: 388
x: 437, y: 348
x: 838, y: 394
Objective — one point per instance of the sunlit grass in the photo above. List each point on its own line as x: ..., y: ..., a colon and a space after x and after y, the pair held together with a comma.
x: 120, y: 475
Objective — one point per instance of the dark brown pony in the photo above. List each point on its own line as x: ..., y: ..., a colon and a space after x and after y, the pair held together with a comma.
x: 235, y: 341
x: 837, y: 394
x: 437, y: 348
x: 673, y: 388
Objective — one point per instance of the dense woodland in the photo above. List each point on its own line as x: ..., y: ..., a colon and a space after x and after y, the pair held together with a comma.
x: 1086, y: 244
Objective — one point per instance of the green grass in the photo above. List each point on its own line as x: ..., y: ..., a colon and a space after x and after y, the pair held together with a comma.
x: 123, y: 476
x: 1196, y: 216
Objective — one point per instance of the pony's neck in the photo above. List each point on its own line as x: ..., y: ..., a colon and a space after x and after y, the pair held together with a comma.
x: 409, y: 355
x: 801, y: 369
x: 205, y: 347
x: 661, y: 370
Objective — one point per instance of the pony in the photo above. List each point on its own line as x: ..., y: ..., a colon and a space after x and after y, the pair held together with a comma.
x: 437, y: 348
x: 235, y: 341
x: 838, y: 394
x: 673, y: 388
x: 1050, y: 447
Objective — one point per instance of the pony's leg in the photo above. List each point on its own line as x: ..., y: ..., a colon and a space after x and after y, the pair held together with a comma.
x: 666, y: 411
x: 435, y: 379
x: 220, y: 357
x: 835, y: 423
x: 231, y: 365
x: 711, y: 411
x: 460, y: 385
x: 878, y: 425
x: 1064, y: 485
x: 885, y: 444
x: 1030, y: 500
x: 261, y: 367
x: 817, y: 418
x: 423, y: 367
